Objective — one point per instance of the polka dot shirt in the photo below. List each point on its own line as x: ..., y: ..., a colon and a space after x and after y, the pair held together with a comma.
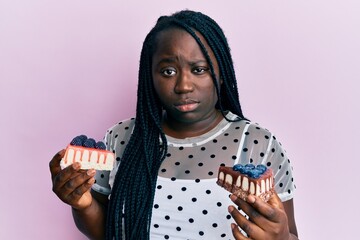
x: 188, y: 203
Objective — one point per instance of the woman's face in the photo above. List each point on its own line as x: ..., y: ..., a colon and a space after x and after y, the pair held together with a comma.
x: 182, y: 77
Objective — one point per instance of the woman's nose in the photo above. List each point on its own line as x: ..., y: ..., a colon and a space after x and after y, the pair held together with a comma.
x: 184, y: 83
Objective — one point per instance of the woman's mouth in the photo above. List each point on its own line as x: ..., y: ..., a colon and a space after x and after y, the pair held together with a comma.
x: 187, y: 105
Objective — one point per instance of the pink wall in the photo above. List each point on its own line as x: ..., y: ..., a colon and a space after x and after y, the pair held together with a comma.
x: 70, y: 67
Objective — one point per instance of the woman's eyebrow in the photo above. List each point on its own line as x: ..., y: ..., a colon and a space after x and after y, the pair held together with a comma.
x: 200, y: 61
x: 167, y: 60
x: 175, y: 59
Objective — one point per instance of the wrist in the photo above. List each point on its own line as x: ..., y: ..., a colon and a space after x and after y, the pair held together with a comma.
x: 82, y: 209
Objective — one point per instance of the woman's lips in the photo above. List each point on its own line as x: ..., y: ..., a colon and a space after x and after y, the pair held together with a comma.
x: 186, y: 105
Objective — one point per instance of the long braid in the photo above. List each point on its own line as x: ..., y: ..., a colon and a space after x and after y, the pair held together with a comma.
x: 213, y: 34
x: 218, y: 43
x: 132, y: 197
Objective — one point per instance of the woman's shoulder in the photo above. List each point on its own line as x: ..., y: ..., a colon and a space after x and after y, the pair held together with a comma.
x: 248, y: 125
x: 122, y: 129
x: 254, y: 132
x: 125, y: 124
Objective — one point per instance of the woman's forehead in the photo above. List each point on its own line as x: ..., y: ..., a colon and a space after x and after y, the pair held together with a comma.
x: 176, y: 35
x: 170, y: 34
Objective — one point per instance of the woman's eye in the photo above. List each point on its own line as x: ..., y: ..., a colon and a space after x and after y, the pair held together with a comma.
x: 168, y: 72
x: 200, y: 70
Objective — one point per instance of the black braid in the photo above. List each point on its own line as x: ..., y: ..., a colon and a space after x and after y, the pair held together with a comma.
x: 133, y: 191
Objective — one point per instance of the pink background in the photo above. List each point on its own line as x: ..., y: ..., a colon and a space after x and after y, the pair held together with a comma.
x: 70, y: 67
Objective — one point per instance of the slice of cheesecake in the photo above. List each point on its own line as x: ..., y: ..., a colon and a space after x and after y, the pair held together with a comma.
x: 243, y: 180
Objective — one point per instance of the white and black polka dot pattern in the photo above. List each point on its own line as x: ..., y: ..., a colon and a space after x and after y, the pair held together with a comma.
x: 182, y: 210
x: 188, y: 203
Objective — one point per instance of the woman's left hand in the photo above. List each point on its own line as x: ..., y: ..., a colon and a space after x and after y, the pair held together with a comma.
x: 266, y: 220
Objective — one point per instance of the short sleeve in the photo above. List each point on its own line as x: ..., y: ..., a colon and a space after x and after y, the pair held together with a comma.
x: 260, y: 146
x: 283, y: 171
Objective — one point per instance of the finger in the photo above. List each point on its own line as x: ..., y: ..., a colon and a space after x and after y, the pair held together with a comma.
x: 76, y: 182
x: 269, y: 210
x: 245, y: 206
x: 246, y: 225
x: 238, y: 201
x: 65, y: 174
x: 237, y: 233
x: 54, y: 164
x: 80, y: 190
x: 276, y: 202
x: 251, y: 208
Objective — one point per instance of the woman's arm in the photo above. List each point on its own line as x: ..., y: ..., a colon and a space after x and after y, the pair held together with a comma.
x: 289, y: 209
x: 73, y: 186
x: 91, y: 220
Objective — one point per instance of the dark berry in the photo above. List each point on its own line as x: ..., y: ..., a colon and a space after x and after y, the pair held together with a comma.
x: 82, y: 137
x: 89, y: 143
x: 261, y: 167
x: 244, y: 170
x: 100, y: 145
x: 249, y: 166
x: 76, y: 142
x: 254, y: 173
x: 238, y: 167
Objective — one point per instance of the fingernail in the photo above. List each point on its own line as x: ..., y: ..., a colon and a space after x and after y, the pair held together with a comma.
x: 90, y: 172
x: 233, y: 226
x: 250, y: 199
x: 230, y: 208
x: 233, y: 197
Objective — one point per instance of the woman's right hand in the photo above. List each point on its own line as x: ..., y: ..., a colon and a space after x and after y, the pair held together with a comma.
x: 72, y: 184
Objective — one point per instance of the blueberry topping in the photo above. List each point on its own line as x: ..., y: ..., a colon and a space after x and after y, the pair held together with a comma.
x: 245, y: 171
x: 249, y: 166
x: 254, y: 173
x: 82, y: 137
x: 78, y: 141
x: 89, y: 143
x: 238, y: 167
x: 250, y: 169
x: 100, y: 145
x: 261, y: 167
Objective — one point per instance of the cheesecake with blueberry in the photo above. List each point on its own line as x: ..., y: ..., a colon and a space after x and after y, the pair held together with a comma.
x: 243, y: 180
x: 89, y: 153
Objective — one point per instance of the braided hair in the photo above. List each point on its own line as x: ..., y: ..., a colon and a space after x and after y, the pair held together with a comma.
x: 132, y: 197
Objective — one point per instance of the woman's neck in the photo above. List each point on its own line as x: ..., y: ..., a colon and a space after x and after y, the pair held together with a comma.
x: 183, y: 130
